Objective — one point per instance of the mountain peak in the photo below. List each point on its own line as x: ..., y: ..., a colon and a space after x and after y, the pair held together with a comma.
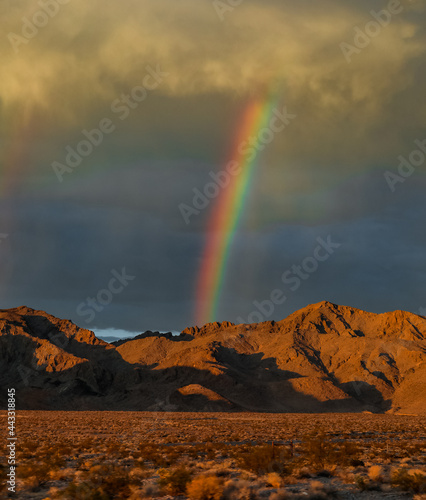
x: 324, y: 357
x: 207, y: 329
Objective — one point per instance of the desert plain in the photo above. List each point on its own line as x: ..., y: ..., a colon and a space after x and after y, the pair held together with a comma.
x: 213, y: 456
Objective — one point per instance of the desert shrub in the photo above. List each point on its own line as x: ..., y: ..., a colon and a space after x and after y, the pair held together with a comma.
x: 33, y: 474
x: 152, y: 453
x: 111, y: 478
x: 262, y: 459
x: 114, y: 447
x: 274, y: 480
x: 149, y: 490
x: 362, y: 483
x: 240, y: 490
x: 321, y: 491
x: 365, y: 484
x: 61, y: 474
x: 173, y: 454
x: 28, y: 448
x: 31, y: 445
x: 64, y: 449
x: 205, y: 488
x: 101, y: 482
x: 86, y: 444
x: 409, y: 481
x: 375, y: 473
x: 54, y: 460
x: 174, y: 481
x: 32, y: 483
x: 316, y: 486
x: 348, y: 453
x: 137, y: 474
x: 82, y: 491
x: 318, y: 451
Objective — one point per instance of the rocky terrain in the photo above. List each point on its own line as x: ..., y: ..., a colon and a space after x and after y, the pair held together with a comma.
x: 323, y: 358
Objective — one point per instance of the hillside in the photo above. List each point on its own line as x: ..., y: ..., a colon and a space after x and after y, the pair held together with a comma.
x: 322, y: 358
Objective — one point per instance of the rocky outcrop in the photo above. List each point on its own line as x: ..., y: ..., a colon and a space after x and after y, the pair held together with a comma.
x: 319, y: 359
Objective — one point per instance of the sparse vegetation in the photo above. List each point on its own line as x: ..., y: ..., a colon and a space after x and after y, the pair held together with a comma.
x: 318, y: 450
x: 414, y: 481
x: 174, y: 481
x: 106, y: 455
x: 261, y: 459
x: 205, y: 488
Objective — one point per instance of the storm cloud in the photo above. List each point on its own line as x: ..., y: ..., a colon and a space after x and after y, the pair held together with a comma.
x: 119, y: 207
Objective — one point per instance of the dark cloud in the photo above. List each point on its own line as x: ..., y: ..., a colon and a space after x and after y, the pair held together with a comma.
x: 324, y: 175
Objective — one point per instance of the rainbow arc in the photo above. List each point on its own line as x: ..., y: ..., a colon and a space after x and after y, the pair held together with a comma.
x: 223, y: 224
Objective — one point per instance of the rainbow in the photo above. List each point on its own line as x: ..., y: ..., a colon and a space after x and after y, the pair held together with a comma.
x: 227, y: 212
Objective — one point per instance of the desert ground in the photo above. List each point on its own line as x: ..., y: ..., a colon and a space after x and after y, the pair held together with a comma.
x: 213, y: 456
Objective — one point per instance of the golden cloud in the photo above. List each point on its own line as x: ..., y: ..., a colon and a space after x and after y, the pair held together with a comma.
x: 89, y: 53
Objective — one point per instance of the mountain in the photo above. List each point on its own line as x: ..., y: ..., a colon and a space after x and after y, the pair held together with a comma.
x: 322, y: 358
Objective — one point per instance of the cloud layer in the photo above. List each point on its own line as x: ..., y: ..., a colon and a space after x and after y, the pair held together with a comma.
x: 323, y: 175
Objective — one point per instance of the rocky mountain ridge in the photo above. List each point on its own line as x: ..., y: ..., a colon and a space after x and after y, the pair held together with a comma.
x: 322, y: 358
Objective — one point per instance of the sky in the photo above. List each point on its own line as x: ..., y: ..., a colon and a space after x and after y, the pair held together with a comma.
x: 152, y: 95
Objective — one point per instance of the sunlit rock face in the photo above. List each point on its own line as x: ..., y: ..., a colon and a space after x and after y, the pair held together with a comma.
x: 323, y: 358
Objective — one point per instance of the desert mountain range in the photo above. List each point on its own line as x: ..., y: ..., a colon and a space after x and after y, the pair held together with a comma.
x: 322, y: 358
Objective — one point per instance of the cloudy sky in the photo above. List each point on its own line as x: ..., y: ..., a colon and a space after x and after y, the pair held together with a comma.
x: 168, y: 81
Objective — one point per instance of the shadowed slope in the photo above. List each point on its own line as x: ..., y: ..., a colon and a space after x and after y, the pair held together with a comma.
x: 323, y: 357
